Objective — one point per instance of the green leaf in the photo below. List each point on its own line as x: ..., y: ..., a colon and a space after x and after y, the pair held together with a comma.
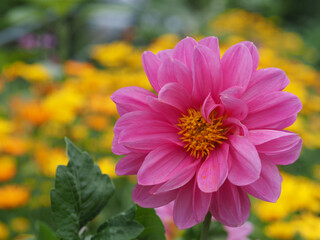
x: 44, y: 232
x: 153, y: 226
x: 120, y: 227
x: 80, y: 193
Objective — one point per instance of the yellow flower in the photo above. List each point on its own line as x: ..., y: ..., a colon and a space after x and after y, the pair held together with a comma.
x: 306, y: 225
x: 166, y: 41
x: 49, y: 159
x: 112, y: 55
x: 280, y: 230
x: 306, y: 195
x: 31, y: 72
x: 63, y: 105
x: 20, y: 224
x: 8, y: 168
x: 79, y: 132
x: 6, y: 127
x: 107, y: 166
x: 13, y: 196
x: 4, y: 231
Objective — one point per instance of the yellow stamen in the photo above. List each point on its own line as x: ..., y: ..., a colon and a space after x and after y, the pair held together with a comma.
x: 200, y: 136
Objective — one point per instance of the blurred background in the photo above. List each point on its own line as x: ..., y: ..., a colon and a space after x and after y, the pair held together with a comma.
x: 60, y: 60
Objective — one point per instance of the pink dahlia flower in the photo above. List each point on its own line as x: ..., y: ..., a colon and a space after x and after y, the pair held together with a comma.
x: 210, y: 135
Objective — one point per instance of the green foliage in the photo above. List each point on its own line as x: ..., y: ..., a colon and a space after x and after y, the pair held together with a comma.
x: 153, y: 227
x: 44, y: 232
x: 80, y: 193
x: 120, y: 227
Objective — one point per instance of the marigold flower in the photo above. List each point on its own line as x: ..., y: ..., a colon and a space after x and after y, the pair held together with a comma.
x: 13, y: 196
x: 8, y: 168
x: 4, y: 231
x: 211, y: 135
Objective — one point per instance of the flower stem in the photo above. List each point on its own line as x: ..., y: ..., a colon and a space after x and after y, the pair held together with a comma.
x: 205, y: 227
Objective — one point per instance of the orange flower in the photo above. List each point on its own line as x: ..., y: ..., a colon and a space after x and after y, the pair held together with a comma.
x: 34, y: 113
x: 76, y: 68
x: 8, y: 168
x: 14, y: 146
x: 96, y: 122
x: 13, y: 196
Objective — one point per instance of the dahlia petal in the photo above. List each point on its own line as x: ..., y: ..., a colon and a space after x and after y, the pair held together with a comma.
x: 254, y: 53
x: 176, y: 96
x: 151, y: 64
x: 130, y: 99
x: 172, y: 114
x: 140, y: 137
x: 214, y: 170
x: 268, y: 186
x: 208, y: 106
x: 237, y: 66
x: 230, y: 205
x: 117, y: 148
x: 234, y: 106
x: 245, y: 162
x: 264, y: 81
x: 267, y: 140
x: 267, y: 111
x: 236, y: 127
x: 130, y: 164
x: 284, y: 123
x: 212, y: 43
x: 135, y: 117
x: 164, y: 54
x: 183, y: 215
x: 173, y: 70
x: 201, y: 202
x: 239, y: 233
x: 286, y: 156
x: 181, y: 178
x: 183, y: 51
x: 207, y: 73
x: 162, y: 164
x: 141, y: 195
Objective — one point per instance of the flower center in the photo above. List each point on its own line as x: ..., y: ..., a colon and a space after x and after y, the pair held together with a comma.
x: 200, y: 136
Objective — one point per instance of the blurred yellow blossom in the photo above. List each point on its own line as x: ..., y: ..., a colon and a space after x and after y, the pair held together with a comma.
x: 20, y: 224
x: 306, y: 225
x: 166, y: 41
x: 13, y: 196
x: 63, y: 105
x: 49, y: 159
x: 306, y: 195
x: 79, y: 132
x: 30, y: 72
x: 6, y: 127
x: 107, y: 166
x: 112, y: 55
x: 8, y: 168
x: 4, y: 231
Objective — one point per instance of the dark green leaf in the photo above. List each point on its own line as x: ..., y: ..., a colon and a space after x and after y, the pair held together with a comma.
x: 44, y: 232
x: 120, y: 227
x: 80, y: 193
x: 153, y: 227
